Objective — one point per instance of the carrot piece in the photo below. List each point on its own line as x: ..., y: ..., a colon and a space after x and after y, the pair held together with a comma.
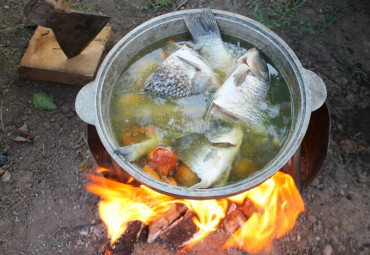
x: 137, y: 135
x: 169, y: 180
x: 185, y: 176
x: 172, y: 181
x: 150, y: 171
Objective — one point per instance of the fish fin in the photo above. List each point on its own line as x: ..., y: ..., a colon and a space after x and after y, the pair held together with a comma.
x: 255, y: 62
x: 202, y: 23
x: 223, y: 179
x: 200, y: 185
x: 240, y: 75
x: 202, y: 82
x: 190, y: 63
x: 136, y: 150
x: 128, y: 152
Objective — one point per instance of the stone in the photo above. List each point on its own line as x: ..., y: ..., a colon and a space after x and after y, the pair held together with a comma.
x: 56, y: 126
x: 315, y: 182
x: 328, y: 250
x: 64, y: 109
x: 6, y: 176
x: 47, y: 125
x: 3, y: 159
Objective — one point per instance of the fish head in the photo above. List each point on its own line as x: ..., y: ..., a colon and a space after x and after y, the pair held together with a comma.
x: 244, y: 90
x: 227, y: 134
x: 252, y: 58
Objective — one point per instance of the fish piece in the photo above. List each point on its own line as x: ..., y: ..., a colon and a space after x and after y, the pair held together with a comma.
x: 206, y: 35
x: 170, y: 118
x: 243, y: 92
x: 181, y: 74
x: 136, y: 150
x: 138, y: 72
x: 173, y: 117
x: 212, y: 161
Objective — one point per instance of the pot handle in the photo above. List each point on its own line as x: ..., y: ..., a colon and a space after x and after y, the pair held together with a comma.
x: 316, y: 87
x: 85, y: 103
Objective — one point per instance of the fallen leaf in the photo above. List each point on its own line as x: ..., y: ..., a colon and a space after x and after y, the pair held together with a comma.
x: 41, y: 101
x: 23, y: 129
x: 30, y: 137
x: 83, y: 166
x: 21, y: 139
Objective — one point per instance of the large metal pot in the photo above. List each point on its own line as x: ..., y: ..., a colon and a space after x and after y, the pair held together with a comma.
x: 307, y: 89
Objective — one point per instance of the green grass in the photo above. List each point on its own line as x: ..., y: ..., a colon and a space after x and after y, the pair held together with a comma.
x: 80, y: 7
x: 357, y: 72
x: 287, y: 14
x: 156, y: 5
x: 354, y: 69
x: 164, y: 5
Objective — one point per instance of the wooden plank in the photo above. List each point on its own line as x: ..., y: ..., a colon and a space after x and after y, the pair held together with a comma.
x: 45, y: 60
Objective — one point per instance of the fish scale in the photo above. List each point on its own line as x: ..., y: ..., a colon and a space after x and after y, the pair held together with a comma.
x: 178, y: 75
x: 164, y: 82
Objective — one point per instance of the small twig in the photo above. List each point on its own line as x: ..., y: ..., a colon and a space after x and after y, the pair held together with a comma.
x: 332, y: 79
x: 179, y: 5
x: 43, y: 150
x: 1, y: 117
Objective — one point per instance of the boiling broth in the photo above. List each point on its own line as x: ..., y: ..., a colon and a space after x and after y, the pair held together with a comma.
x: 174, y: 120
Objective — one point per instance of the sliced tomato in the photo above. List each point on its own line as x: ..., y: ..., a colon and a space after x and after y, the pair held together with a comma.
x: 164, y: 159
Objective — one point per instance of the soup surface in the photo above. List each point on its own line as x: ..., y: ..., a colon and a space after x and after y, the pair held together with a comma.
x: 178, y: 128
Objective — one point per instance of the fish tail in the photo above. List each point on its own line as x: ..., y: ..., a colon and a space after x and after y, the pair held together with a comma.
x: 202, y: 23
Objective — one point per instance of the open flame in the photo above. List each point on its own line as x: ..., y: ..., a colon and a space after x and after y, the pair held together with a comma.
x: 277, y: 203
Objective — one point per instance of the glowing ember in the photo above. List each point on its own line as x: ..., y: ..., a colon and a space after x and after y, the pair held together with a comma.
x: 277, y: 203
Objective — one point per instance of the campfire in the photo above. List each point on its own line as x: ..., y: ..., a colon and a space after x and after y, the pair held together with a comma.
x: 253, y: 218
x: 249, y: 221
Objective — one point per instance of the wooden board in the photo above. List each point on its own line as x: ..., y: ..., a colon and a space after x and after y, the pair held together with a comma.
x: 45, y: 60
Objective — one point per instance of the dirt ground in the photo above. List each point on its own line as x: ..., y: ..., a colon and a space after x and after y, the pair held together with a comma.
x: 44, y: 207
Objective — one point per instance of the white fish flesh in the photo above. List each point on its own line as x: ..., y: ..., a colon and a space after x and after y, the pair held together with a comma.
x: 212, y: 157
x: 243, y: 92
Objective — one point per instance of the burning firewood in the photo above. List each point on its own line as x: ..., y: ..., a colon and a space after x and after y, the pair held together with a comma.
x: 181, y: 231
x: 156, y: 227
